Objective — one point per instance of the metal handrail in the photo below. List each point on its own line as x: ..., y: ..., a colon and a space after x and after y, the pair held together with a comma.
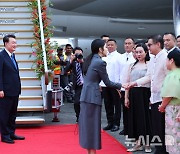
x: 176, y: 16
x: 44, y: 87
x: 42, y: 36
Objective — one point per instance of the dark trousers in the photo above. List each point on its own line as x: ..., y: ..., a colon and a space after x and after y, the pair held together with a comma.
x: 8, y: 113
x: 158, y: 127
x: 77, y: 100
x: 112, y: 105
x: 64, y: 80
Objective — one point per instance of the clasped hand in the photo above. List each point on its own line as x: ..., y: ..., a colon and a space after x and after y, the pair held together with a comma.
x: 161, y: 108
x: 129, y: 85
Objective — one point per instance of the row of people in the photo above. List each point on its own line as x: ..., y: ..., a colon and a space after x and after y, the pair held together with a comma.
x: 116, y: 69
x: 140, y: 121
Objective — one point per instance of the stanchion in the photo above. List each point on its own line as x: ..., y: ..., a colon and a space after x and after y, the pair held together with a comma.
x: 57, y: 97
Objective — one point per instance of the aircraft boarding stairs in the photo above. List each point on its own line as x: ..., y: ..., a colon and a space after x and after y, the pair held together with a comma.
x: 15, y: 18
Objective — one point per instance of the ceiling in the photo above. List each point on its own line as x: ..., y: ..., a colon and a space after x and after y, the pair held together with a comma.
x: 117, y: 18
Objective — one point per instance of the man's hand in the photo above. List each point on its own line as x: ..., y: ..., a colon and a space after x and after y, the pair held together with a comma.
x: 1, y: 94
x: 80, y: 60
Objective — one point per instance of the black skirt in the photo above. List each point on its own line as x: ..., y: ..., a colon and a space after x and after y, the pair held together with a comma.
x: 139, y: 122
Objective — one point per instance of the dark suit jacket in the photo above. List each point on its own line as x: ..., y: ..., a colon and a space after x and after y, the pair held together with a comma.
x: 9, y: 76
x: 72, y: 66
x: 96, y: 72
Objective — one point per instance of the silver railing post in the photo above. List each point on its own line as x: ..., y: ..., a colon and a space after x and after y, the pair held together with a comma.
x: 176, y: 16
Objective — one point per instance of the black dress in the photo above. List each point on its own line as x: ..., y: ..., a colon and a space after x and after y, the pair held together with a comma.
x: 139, y: 113
x: 139, y: 122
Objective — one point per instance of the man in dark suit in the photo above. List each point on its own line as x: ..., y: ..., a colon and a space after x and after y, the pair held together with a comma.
x: 75, y: 65
x: 10, y: 88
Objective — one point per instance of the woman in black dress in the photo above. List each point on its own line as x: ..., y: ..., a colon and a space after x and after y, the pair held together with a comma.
x: 137, y: 101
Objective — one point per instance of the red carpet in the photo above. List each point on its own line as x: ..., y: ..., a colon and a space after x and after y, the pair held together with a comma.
x: 59, y: 139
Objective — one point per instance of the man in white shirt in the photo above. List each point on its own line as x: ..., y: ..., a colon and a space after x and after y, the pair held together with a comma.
x: 169, y: 41
x: 127, y: 59
x: 111, y: 96
x: 156, y: 74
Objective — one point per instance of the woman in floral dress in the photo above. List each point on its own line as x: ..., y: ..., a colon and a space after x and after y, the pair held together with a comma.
x: 171, y: 102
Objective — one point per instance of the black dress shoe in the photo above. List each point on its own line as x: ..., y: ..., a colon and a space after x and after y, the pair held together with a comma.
x: 108, y: 127
x: 10, y: 141
x: 115, y: 128
x: 121, y: 132
x: 15, y: 137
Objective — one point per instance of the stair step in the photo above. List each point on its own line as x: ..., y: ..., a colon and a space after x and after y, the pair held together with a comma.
x: 24, y: 41
x: 24, y: 55
x: 14, y: 2
x: 18, y: 14
x: 18, y: 34
x: 30, y: 120
x: 30, y: 102
x: 30, y: 81
x: 30, y: 108
x: 30, y: 87
x: 27, y: 69
x: 14, y: 31
x: 29, y: 78
x: 26, y: 72
x: 16, y: 18
x: 20, y: 46
x: 31, y: 91
x: 30, y: 97
x: 26, y: 63
x: 15, y: 22
x: 24, y: 38
x: 17, y: 9
x: 19, y: 27
x: 20, y: 53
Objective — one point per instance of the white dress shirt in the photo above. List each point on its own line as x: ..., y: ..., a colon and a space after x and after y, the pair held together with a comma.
x: 114, y: 67
x: 126, y: 59
x: 9, y: 53
x: 156, y: 73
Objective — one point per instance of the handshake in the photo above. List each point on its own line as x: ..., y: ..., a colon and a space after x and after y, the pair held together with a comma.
x: 129, y: 85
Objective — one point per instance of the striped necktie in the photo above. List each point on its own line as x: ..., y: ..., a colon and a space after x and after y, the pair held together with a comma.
x: 79, y: 73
